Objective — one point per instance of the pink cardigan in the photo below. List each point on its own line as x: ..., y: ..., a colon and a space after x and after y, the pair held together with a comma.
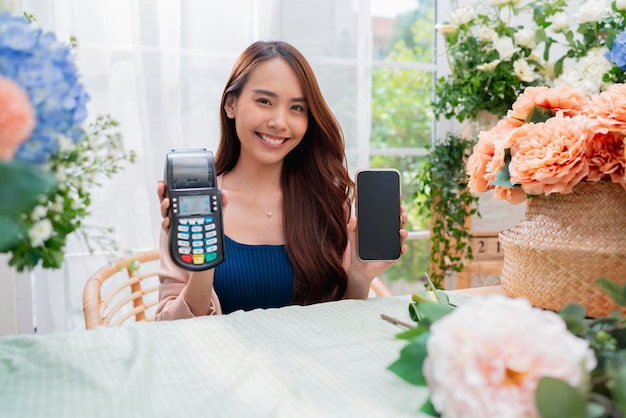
x: 173, y: 279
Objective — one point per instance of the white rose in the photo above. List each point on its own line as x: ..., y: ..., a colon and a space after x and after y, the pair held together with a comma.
x: 523, y: 71
x: 620, y: 4
x: 592, y: 11
x: 560, y: 22
x: 40, y: 232
x: 486, y: 34
x: 525, y: 38
x: 504, y: 46
x: 445, y: 28
x: 462, y: 15
x: 489, y: 66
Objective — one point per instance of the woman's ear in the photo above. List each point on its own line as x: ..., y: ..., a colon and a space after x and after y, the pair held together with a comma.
x: 229, y: 107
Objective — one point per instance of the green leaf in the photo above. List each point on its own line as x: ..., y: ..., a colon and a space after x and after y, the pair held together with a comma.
x: 619, y: 389
x: 412, y: 333
x: 503, y: 177
x: 557, y: 399
x: 11, y: 233
x: 574, y: 317
x: 429, y: 409
x: 539, y: 114
x: 412, y: 356
x: 21, y: 185
x: 595, y: 410
x: 614, y: 290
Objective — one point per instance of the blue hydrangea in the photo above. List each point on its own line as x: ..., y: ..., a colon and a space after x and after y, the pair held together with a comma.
x: 45, y: 69
x: 617, y: 54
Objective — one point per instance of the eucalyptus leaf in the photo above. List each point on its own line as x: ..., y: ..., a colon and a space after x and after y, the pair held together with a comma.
x: 595, y: 410
x: 614, y: 290
x: 409, y: 365
x: 574, y: 317
x: 503, y: 177
x: 557, y: 399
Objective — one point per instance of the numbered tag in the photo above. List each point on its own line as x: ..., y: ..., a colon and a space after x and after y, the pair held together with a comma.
x: 486, y: 246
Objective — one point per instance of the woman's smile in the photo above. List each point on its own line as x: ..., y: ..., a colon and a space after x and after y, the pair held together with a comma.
x: 271, y: 140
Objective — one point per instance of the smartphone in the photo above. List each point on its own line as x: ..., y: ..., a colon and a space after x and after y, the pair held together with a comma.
x: 196, y: 237
x: 378, y: 200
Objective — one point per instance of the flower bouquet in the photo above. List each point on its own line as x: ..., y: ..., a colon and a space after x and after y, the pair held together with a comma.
x: 502, y: 357
x: 48, y: 160
x: 564, y: 151
x: 551, y: 140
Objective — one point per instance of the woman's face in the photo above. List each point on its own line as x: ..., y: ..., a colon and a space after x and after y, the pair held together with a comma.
x: 271, y: 114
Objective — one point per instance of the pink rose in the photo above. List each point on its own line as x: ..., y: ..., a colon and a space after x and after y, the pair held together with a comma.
x: 487, y: 356
x: 17, y: 118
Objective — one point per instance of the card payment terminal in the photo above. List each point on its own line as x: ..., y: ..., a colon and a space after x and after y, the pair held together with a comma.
x: 196, y: 238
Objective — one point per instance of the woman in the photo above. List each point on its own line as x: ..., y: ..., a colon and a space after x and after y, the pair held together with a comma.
x: 289, y: 233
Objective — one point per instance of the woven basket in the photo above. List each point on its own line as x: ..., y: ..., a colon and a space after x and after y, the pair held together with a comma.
x: 564, y: 243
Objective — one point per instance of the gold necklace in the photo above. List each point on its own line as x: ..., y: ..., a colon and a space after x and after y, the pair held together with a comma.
x: 267, y: 213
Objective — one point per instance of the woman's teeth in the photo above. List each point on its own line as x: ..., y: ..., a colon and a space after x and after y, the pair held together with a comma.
x: 272, y: 141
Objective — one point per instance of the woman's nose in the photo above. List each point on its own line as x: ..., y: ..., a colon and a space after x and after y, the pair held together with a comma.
x: 277, y: 120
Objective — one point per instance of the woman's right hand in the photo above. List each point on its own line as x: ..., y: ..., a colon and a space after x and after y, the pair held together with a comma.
x: 165, y: 204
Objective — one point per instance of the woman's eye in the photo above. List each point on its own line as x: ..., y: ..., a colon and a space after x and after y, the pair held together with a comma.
x: 298, y: 108
x: 263, y: 101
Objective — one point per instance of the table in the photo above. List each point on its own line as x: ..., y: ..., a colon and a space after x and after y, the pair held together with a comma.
x: 324, y: 360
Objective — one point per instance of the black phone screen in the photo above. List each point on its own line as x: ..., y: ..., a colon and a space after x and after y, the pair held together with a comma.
x: 378, y: 195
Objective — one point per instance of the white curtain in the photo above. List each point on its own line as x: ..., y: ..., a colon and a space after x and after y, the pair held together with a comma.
x: 158, y: 67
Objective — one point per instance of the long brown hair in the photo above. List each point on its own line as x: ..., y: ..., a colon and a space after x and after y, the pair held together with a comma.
x: 317, y: 188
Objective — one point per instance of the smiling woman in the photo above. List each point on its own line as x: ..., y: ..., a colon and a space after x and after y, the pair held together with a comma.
x: 281, y: 151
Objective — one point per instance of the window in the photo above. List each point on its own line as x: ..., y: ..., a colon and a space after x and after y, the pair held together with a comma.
x: 402, y: 122
x: 158, y: 68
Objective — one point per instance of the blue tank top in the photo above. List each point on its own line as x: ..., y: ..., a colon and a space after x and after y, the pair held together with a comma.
x: 253, y: 276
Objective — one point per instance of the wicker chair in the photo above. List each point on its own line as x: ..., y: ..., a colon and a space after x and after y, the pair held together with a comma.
x: 132, y: 298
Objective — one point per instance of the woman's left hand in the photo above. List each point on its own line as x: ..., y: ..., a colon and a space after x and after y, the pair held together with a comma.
x: 361, y: 273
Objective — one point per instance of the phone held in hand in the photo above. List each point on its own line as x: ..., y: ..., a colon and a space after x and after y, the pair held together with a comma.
x: 378, y: 200
x: 196, y: 237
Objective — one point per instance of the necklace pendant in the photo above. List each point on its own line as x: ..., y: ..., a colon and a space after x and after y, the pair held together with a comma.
x: 269, y: 214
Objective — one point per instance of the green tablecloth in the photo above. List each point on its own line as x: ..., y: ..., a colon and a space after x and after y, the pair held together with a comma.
x: 325, y: 360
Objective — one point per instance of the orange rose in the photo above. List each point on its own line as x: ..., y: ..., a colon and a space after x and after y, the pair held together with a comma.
x: 514, y: 196
x: 17, y: 117
x: 551, y: 157
x: 480, y: 164
x: 562, y: 98
x: 605, y: 154
x: 609, y: 107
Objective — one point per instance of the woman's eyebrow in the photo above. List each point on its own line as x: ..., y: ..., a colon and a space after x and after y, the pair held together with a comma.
x: 272, y: 94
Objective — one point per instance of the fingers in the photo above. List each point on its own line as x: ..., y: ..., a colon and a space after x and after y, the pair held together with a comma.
x: 165, y: 223
x: 160, y: 189
x: 165, y: 204
x: 224, y: 198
